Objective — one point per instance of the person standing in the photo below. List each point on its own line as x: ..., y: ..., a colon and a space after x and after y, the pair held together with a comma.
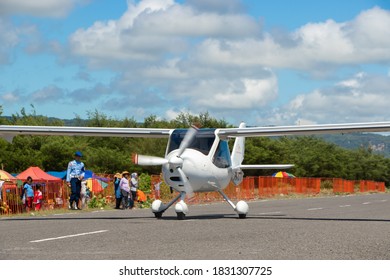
x: 38, y: 198
x: 134, y: 186
x: 118, y: 194
x: 83, y: 194
x: 28, y: 193
x: 124, y: 186
x: 1, y: 189
x: 74, y: 175
x: 157, y: 187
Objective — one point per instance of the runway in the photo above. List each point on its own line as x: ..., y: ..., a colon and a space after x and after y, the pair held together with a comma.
x: 351, y: 227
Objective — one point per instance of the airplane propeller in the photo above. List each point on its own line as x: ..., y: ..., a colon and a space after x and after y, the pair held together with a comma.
x: 148, y: 160
x: 175, y: 162
x: 187, y: 186
x: 187, y: 139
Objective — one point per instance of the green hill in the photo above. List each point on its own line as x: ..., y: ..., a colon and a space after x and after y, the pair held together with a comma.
x: 377, y: 143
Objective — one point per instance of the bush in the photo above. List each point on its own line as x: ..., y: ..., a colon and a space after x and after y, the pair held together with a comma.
x: 97, y: 202
x: 326, y: 185
x: 144, y: 182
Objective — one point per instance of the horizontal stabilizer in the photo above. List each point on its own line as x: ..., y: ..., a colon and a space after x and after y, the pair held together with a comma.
x: 266, y: 166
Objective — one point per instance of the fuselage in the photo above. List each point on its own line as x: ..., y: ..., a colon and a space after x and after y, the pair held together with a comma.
x: 206, y: 162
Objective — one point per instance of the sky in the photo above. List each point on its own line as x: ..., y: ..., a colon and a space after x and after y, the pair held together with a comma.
x: 268, y: 62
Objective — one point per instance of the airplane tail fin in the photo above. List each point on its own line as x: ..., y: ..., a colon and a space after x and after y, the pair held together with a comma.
x: 237, y: 157
x: 238, y: 149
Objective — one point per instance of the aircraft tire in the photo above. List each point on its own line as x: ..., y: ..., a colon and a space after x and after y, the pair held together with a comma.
x: 242, y: 216
x: 181, y: 215
x: 158, y: 215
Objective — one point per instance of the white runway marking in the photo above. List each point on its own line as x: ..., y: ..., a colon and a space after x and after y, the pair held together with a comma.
x: 313, y: 209
x: 62, y: 214
x: 345, y: 205
x: 68, y: 236
x: 269, y: 213
x: 365, y: 203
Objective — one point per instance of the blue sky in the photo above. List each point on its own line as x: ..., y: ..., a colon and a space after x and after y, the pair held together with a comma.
x: 264, y: 62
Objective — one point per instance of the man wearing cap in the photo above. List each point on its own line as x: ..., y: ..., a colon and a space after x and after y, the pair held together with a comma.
x: 74, y: 176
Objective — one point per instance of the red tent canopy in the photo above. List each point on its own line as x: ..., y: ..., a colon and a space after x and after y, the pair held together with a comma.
x: 37, y: 174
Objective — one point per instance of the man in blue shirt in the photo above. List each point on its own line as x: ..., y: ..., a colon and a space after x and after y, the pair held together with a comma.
x: 28, y: 193
x: 74, y: 175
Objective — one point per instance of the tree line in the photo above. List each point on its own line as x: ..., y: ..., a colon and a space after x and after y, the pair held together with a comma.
x: 312, y: 156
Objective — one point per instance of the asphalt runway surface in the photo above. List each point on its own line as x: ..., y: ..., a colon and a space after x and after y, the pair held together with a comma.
x: 354, y: 227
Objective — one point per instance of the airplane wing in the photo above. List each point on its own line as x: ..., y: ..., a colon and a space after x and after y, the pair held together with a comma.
x: 9, y: 131
x: 303, y: 129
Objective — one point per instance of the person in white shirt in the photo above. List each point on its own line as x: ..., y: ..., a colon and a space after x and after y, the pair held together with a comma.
x: 134, y: 186
x: 124, y: 185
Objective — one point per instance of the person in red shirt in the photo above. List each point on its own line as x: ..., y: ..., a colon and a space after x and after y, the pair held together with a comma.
x: 38, y: 198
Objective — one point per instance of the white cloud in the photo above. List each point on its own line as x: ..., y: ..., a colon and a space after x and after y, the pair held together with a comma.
x: 360, y: 98
x: 172, y: 54
x: 240, y: 94
x: 9, y: 38
x: 10, y: 97
x: 210, y: 55
x: 152, y: 29
x: 41, y: 8
x: 47, y: 94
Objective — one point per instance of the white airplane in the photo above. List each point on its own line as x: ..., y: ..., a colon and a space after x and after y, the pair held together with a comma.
x: 198, y: 160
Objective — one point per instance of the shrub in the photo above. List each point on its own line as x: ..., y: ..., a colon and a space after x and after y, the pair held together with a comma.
x: 97, y: 202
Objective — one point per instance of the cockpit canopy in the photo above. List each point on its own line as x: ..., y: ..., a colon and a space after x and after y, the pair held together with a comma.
x: 202, y: 141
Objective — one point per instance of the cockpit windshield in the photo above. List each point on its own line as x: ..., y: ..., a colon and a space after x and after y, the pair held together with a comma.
x: 202, y: 141
x: 221, y: 157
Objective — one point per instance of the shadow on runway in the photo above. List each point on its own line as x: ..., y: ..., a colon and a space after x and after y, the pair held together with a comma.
x: 194, y: 218
x: 316, y: 219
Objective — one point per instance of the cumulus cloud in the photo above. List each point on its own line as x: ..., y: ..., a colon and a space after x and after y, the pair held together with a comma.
x: 239, y: 94
x: 364, y: 39
x: 47, y: 94
x: 10, y: 97
x: 152, y: 29
x: 211, y: 55
x: 208, y: 57
x: 9, y: 38
x: 359, y: 98
x: 41, y: 8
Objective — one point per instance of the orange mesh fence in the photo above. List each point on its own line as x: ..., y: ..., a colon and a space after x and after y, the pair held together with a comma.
x: 367, y: 186
x: 266, y: 186
x: 270, y: 186
x: 343, y: 186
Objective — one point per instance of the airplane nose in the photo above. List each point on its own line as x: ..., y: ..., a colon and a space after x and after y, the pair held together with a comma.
x: 176, y: 161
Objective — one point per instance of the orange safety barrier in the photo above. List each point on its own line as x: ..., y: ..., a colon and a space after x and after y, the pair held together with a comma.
x: 270, y: 186
x: 343, y: 186
x: 366, y: 186
x: 267, y: 186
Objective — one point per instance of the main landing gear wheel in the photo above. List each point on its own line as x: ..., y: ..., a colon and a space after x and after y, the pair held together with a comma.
x: 158, y: 215
x: 158, y: 208
x: 181, y: 215
x: 181, y: 209
x: 242, y: 209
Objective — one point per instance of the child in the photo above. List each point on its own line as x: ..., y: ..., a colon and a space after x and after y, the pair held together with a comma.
x: 38, y: 198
